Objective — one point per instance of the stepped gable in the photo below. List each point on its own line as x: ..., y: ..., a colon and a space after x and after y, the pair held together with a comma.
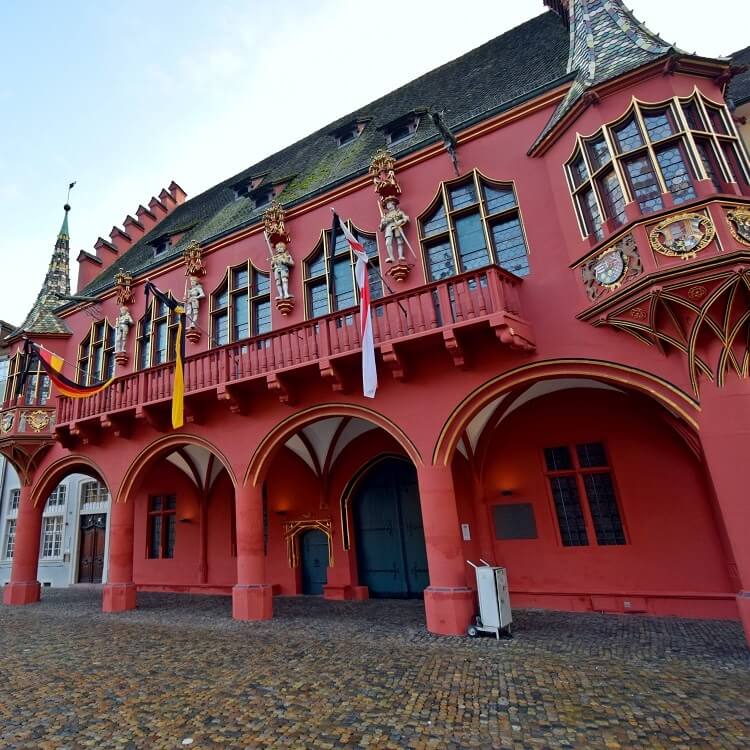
x: 739, y: 87
x: 492, y: 77
x: 605, y: 41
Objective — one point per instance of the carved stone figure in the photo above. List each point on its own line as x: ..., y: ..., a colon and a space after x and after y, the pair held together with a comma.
x: 122, y: 328
x: 193, y: 295
x: 281, y: 262
x: 391, y: 223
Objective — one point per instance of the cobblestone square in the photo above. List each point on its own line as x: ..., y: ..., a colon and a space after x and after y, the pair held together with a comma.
x: 179, y: 672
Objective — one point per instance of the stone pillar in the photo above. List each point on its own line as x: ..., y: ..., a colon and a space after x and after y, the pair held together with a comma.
x: 118, y: 594
x: 252, y: 596
x: 725, y: 436
x: 449, y: 604
x: 24, y: 588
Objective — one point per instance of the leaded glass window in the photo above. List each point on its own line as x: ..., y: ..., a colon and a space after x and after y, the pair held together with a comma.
x: 241, y: 305
x: 96, y: 355
x: 162, y: 526
x: 157, y: 335
x: 473, y: 222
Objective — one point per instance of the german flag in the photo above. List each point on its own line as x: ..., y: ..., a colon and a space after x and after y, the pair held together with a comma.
x: 52, y: 364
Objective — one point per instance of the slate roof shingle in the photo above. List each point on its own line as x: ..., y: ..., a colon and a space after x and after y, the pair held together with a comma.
x: 739, y: 86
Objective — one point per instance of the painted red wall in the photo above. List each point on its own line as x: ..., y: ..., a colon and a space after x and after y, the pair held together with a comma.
x: 674, y: 548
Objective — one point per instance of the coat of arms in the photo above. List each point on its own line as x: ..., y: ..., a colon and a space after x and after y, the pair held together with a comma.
x: 739, y: 224
x: 683, y: 235
x: 6, y: 421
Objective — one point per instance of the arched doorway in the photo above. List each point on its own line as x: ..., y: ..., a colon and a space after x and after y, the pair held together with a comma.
x: 314, y: 561
x: 391, y: 555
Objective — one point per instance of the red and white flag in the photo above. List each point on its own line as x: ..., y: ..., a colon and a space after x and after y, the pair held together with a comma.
x: 369, y: 371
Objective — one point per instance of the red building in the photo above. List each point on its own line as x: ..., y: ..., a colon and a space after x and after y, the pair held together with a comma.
x: 563, y: 357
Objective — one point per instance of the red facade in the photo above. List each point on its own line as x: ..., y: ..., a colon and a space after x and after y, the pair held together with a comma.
x: 491, y: 387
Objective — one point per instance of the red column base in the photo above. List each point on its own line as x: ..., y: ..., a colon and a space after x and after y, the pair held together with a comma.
x: 118, y: 597
x: 743, y: 604
x: 252, y: 602
x: 23, y: 592
x: 449, y: 611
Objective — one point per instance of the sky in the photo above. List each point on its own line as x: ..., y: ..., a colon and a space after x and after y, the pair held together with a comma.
x: 125, y: 96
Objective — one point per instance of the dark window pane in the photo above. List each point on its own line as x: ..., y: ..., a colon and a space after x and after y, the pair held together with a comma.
x: 568, y: 510
x: 592, y: 218
x: 658, y: 124
x: 342, y: 245
x: 154, y: 537
x: 598, y: 153
x: 558, y: 459
x: 693, y: 116
x: 369, y: 243
x: 499, y: 198
x: 317, y: 299
x: 44, y: 387
x: 343, y: 283
x: 472, y: 247
x: 436, y: 222
x: 316, y: 265
x: 604, y: 511
x: 708, y: 159
x: 160, y: 343
x: 240, y: 321
x: 591, y: 454
x: 155, y: 503
x: 579, y: 171
x: 171, y: 502
x: 262, y: 315
x: 732, y: 156
x: 675, y: 173
x: 463, y: 195
x: 376, y: 283
x: 261, y: 283
x: 510, y: 246
x: 612, y: 197
x: 171, y: 522
x: 643, y: 182
x: 221, y: 329
x: 439, y: 261
x: 628, y: 136
x: 514, y: 521
x: 239, y: 278
x: 717, y: 119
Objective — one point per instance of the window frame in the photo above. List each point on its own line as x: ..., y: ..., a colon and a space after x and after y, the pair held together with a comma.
x: 323, y: 246
x: 683, y: 137
x: 9, y: 537
x: 253, y: 298
x: 101, y: 493
x: 104, y: 342
x: 54, y: 536
x: 488, y: 220
x: 37, y: 383
x: 579, y: 472
x: 150, y: 317
x: 164, y: 514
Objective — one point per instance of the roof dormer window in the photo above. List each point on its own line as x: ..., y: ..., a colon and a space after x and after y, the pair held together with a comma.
x: 162, y: 245
x: 348, y: 132
x: 262, y: 196
x: 402, y: 127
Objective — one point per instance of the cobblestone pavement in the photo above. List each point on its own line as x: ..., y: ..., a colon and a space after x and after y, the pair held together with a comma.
x: 180, y: 673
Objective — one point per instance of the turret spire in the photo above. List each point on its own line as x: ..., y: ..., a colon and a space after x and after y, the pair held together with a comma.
x: 605, y: 41
x: 42, y: 319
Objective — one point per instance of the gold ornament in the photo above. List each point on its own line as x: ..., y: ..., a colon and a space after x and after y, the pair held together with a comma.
x: 273, y: 223
x: 193, y: 260
x: 123, y: 293
x: 39, y: 419
x: 739, y: 224
x: 683, y: 236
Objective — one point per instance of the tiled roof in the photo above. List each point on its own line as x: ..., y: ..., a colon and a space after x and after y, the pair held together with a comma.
x: 739, y: 87
x: 496, y: 75
x: 605, y: 41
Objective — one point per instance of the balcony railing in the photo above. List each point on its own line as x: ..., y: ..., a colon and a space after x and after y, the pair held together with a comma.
x: 483, y: 294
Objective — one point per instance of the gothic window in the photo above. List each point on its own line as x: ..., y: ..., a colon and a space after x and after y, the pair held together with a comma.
x: 157, y: 335
x: 241, y: 305
x: 654, y: 149
x: 473, y: 222
x: 330, y: 284
x: 36, y: 387
x: 4, y: 369
x: 582, y: 471
x: 96, y: 354
x: 162, y: 527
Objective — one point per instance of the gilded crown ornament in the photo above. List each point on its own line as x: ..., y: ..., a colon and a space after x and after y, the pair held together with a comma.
x: 278, y: 238
x: 683, y: 236
x: 193, y: 260
x: 123, y: 291
x: 383, y: 171
x: 739, y: 224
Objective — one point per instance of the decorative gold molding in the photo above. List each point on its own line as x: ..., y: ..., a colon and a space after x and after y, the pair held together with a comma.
x: 738, y: 219
x: 38, y: 420
x: 123, y: 291
x: 684, y: 235
x: 193, y: 257
x: 294, y: 529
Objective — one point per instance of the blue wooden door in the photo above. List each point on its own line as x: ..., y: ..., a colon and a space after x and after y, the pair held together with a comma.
x: 314, y: 560
x: 391, y: 555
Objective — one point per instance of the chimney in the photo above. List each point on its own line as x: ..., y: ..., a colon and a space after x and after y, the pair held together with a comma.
x: 89, y: 267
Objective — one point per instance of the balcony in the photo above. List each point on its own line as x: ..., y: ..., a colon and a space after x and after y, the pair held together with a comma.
x: 440, y: 314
